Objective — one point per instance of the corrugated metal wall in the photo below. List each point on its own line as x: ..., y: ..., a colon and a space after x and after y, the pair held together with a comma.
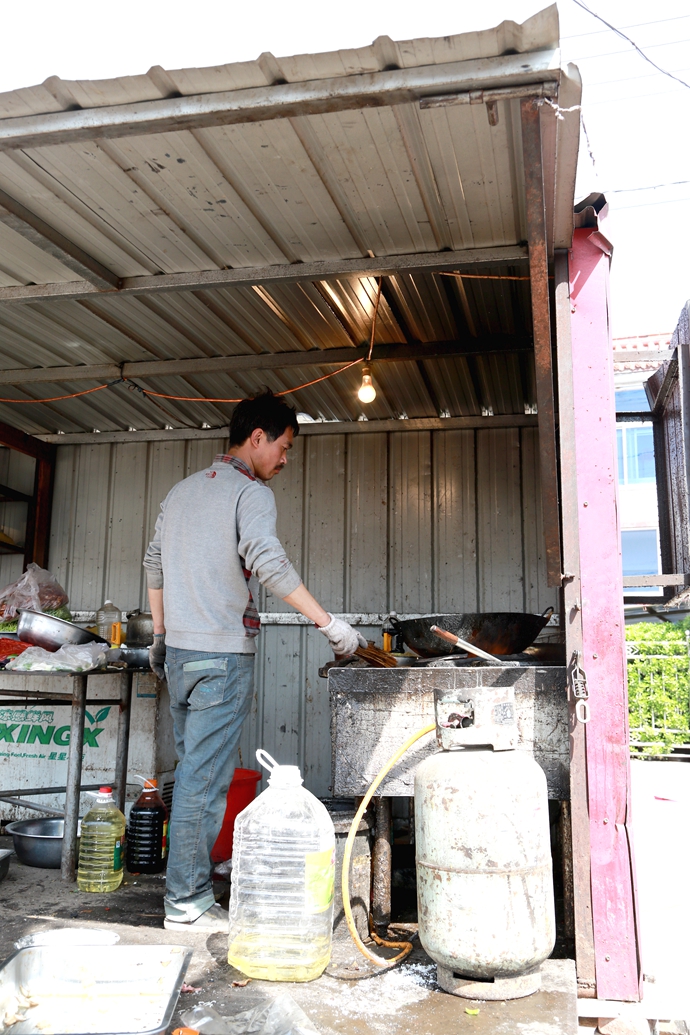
x: 17, y: 471
x: 410, y: 521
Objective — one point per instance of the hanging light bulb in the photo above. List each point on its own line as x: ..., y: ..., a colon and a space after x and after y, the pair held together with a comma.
x: 367, y: 392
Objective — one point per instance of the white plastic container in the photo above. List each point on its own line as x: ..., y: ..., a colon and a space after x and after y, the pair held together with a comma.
x: 281, y: 902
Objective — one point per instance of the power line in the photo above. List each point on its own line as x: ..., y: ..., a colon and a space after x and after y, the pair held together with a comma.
x: 632, y: 78
x: 649, y: 204
x: 612, y: 54
x: 655, y: 186
x: 637, y: 25
x: 631, y: 42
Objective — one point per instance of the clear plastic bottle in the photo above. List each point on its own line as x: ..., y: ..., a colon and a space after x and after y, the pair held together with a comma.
x: 109, y: 622
x: 147, y: 830
x: 102, y: 845
x: 281, y: 900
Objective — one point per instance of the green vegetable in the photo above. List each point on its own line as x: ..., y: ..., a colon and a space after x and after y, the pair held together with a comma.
x: 658, y: 686
x: 61, y: 612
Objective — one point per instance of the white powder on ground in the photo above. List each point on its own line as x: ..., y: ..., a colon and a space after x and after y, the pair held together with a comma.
x: 384, y: 996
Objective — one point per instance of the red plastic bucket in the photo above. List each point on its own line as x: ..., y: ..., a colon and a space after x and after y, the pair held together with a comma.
x: 241, y: 792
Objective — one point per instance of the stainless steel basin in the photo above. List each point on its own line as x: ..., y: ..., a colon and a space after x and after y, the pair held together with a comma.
x: 51, y: 633
x: 38, y: 842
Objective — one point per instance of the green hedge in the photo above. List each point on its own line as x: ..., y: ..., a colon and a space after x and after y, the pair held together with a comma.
x: 660, y: 687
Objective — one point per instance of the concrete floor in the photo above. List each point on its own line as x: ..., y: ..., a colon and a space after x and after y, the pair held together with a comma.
x: 402, y: 1001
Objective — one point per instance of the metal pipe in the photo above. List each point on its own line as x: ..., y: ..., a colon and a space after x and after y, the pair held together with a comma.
x: 123, y: 737
x: 288, y: 100
x: 74, y: 760
x: 18, y: 803
x: 382, y: 865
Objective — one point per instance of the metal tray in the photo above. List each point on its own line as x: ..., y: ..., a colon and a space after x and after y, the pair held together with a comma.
x: 93, y: 989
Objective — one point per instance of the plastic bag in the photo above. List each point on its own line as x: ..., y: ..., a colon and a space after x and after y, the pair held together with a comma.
x: 72, y: 657
x: 280, y: 1016
x: 37, y: 588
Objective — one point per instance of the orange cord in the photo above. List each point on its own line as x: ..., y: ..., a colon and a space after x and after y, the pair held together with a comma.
x: 55, y: 398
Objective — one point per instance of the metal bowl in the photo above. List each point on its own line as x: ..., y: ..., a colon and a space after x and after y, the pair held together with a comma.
x: 5, y: 855
x: 38, y: 842
x: 51, y: 633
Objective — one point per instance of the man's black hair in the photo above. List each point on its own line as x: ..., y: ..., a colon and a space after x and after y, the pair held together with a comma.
x: 266, y: 411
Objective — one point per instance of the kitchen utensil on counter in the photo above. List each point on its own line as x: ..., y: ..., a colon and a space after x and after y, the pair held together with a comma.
x: 376, y: 657
x: 52, y: 633
x: 38, y: 842
x: 139, y: 629
x: 131, y: 988
x: 450, y: 638
x: 501, y: 632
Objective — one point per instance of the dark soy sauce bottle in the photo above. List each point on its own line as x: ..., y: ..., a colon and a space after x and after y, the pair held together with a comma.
x: 147, y: 831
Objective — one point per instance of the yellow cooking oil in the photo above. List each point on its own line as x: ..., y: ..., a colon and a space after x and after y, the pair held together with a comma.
x: 102, y: 845
x: 280, y: 957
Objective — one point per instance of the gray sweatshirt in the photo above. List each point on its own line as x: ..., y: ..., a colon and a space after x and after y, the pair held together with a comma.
x: 211, y: 526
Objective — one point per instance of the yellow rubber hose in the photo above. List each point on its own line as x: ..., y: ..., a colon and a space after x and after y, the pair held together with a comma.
x: 380, y: 961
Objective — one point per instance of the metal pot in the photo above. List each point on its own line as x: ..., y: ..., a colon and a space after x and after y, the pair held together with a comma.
x: 38, y: 842
x: 51, y: 633
x: 502, y: 632
x: 139, y: 629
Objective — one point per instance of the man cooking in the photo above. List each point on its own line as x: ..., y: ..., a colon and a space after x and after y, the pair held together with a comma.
x: 215, y: 541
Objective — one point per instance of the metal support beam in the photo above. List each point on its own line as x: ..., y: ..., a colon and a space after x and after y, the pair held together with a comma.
x: 22, y: 443
x: 32, y: 228
x: 68, y: 865
x: 571, y: 621
x: 288, y: 100
x: 541, y: 327
x: 122, y: 751
x: 382, y: 865
x: 602, y: 659
x: 336, y: 427
x: 282, y: 273
x: 495, y: 343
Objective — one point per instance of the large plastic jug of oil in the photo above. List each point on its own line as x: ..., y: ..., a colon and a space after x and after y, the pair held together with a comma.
x: 283, y: 871
x: 102, y: 845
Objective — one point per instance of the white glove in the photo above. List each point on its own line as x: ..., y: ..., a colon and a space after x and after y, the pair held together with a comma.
x: 341, y: 636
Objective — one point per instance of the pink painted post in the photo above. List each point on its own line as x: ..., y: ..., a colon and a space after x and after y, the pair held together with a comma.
x: 603, y: 632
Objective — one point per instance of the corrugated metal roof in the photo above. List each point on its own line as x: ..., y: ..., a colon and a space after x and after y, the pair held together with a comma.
x: 390, y: 180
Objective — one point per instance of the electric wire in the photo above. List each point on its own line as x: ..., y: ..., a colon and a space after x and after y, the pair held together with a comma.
x: 637, y: 25
x: 632, y: 43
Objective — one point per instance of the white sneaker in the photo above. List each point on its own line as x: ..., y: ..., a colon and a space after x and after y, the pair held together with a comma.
x: 214, y: 920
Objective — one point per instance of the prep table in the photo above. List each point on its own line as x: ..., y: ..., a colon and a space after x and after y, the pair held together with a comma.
x: 36, y: 686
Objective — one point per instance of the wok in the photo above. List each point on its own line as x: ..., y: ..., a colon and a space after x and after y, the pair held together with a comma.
x: 503, y: 632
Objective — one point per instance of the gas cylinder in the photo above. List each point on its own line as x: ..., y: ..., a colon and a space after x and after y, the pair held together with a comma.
x: 484, y: 871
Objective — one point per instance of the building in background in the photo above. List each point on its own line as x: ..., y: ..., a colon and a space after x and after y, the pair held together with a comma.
x: 635, y: 359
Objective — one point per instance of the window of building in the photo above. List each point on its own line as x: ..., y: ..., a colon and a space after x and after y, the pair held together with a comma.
x: 640, y: 551
x: 635, y: 454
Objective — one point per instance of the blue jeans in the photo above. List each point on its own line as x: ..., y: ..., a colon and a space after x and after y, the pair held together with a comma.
x: 210, y: 697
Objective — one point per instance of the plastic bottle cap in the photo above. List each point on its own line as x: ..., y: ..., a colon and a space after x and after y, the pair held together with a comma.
x: 286, y: 776
x: 105, y: 790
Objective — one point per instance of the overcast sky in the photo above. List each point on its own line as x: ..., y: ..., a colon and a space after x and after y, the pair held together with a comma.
x: 637, y: 119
